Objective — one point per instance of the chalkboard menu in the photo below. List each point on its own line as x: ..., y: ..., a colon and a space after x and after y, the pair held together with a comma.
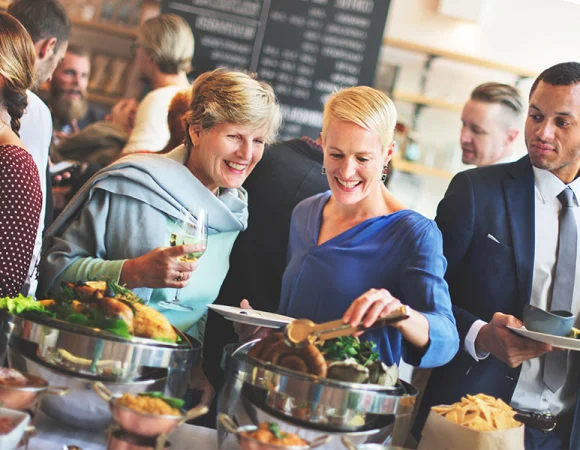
x: 305, y: 49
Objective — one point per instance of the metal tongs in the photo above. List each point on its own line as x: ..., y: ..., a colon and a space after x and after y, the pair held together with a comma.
x: 302, y: 332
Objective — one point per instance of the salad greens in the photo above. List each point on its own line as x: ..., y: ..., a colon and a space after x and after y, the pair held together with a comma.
x: 176, y: 403
x: 122, y: 291
x: 275, y: 430
x: 18, y: 305
x: 345, y: 347
x: 63, y: 308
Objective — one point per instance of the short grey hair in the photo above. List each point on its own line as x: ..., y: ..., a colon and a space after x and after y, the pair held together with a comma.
x: 225, y: 96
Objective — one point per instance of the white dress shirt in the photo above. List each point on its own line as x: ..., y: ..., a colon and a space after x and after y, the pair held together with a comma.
x: 36, y: 135
x: 531, y: 393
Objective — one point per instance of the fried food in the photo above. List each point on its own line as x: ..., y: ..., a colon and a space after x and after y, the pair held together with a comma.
x: 150, y: 323
x: 479, y: 412
x: 269, y: 433
x: 264, y: 344
x: 142, y: 321
x: 119, y: 310
x: 308, y: 360
x: 148, y: 405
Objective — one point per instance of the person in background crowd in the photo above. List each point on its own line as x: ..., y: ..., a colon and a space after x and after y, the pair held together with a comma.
x: 491, y: 122
x: 101, y: 143
x: 48, y: 25
x: 288, y: 173
x: 68, y: 94
x: 119, y: 225
x: 355, y: 250
x: 511, y: 238
x: 164, y: 50
x: 20, y: 191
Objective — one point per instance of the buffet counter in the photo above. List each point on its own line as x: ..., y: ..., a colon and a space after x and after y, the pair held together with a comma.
x: 53, y: 435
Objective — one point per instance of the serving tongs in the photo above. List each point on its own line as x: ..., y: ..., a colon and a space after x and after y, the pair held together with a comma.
x: 302, y: 332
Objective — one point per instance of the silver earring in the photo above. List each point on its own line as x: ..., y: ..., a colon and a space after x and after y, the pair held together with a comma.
x: 385, y: 174
x: 323, y: 171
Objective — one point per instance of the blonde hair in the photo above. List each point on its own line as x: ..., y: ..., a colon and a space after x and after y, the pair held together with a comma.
x: 17, y: 58
x: 169, y: 40
x: 504, y: 94
x: 364, y: 106
x: 224, y: 96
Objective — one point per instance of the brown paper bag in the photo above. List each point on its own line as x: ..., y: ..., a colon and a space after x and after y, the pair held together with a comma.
x: 440, y: 433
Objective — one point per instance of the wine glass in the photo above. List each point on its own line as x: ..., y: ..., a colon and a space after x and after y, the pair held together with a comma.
x: 191, y: 230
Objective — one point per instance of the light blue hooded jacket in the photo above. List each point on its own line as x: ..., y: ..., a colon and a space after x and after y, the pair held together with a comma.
x: 128, y: 209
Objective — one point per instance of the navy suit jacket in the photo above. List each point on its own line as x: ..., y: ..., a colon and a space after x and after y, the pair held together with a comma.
x: 484, y: 276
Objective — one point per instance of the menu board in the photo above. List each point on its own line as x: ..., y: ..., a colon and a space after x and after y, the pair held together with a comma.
x: 306, y: 49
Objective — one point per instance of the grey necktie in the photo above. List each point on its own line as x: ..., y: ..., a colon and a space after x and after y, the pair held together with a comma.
x: 555, y: 363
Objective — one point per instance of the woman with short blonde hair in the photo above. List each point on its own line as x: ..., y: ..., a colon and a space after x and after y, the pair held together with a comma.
x: 358, y: 253
x: 366, y: 107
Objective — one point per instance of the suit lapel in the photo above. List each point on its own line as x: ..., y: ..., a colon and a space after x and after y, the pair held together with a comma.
x: 519, y: 193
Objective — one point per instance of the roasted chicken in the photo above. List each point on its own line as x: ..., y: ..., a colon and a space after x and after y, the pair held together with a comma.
x: 142, y: 321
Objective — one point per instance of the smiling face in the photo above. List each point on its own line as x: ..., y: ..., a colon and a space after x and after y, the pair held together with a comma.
x: 553, y: 130
x: 225, y: 154
x: 354, y: 161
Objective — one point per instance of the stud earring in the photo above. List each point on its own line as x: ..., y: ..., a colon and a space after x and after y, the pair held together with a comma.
x: 323, y: 171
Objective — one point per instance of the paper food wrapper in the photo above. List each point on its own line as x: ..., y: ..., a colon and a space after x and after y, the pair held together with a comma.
x: 440, y: 433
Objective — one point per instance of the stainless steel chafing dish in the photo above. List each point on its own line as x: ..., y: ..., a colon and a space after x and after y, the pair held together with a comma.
x: 76, y: 356
x: 311, y: 406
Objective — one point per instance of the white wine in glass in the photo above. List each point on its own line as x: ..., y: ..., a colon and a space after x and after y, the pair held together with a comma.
x: 192, y: 230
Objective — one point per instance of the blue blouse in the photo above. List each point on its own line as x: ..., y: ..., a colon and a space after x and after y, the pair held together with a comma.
x: 401, y: 252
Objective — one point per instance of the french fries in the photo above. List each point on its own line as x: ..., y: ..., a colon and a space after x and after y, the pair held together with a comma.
x: 480, y: 412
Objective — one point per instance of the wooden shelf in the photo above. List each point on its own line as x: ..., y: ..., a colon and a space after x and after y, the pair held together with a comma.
x: 405, y: 45
x: 119, y: 30
x: 427, y: 101
x: 419, y: 169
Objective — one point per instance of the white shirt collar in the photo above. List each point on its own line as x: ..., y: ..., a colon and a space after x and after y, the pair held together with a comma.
x: 549, y: 185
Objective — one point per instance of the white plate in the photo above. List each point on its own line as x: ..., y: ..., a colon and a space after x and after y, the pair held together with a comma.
x: 555, y: 341
x: 251, y: 316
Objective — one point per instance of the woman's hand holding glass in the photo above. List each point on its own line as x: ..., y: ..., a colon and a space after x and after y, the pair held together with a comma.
x: 378, y: 303
x: 160, y: 268
x: 191, y: 231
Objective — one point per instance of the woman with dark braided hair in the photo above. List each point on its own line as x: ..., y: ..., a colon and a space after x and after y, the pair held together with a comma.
x: 20, y: 194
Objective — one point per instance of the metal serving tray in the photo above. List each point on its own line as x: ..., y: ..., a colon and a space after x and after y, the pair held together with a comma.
x: 95, y: 352
x: 309, y: 389
x: 310, y: 406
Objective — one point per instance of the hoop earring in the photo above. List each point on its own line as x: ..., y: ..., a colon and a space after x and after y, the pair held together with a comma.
x: 323, y: 171
x: 385, y: 173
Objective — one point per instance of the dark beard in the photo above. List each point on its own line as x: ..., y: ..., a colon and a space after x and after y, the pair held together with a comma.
x: 65, y: 110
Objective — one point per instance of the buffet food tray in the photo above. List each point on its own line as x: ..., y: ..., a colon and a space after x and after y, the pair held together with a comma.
x: 95, y: 352
x: 309, y: 389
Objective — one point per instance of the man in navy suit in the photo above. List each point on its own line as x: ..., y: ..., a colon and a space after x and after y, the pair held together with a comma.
x: 500, y: 228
